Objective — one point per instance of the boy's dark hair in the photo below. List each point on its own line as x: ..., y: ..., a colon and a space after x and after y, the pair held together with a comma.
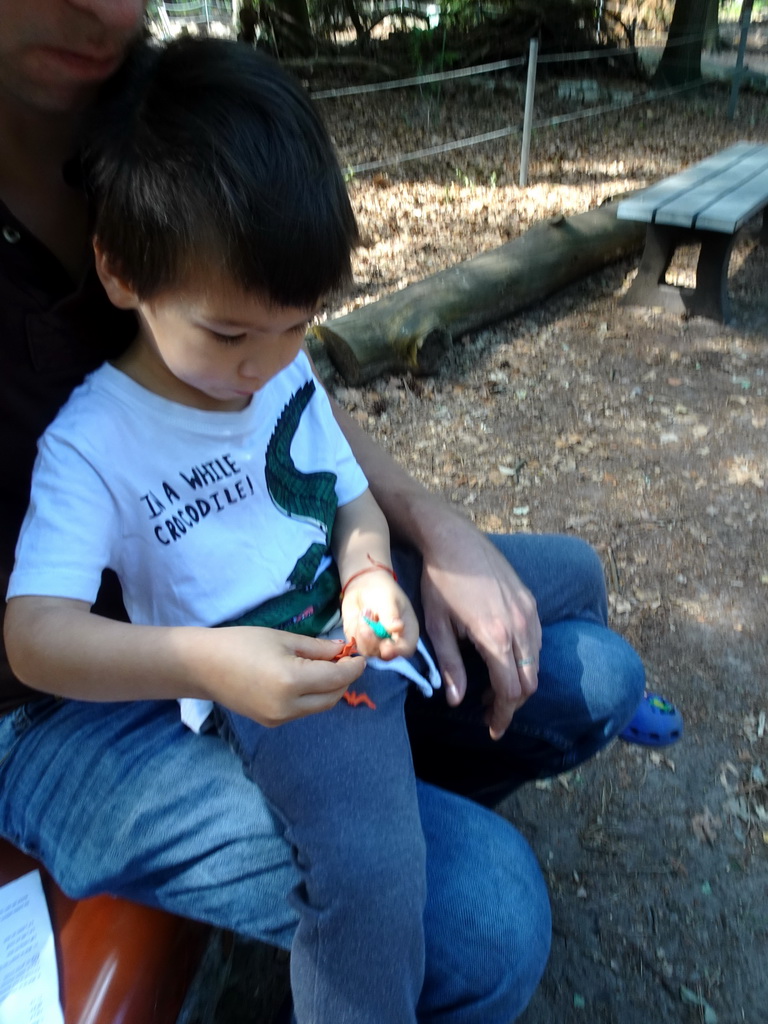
x: 204, y: 154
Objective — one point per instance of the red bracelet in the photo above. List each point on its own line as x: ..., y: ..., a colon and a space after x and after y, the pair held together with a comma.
x: 373, y: 567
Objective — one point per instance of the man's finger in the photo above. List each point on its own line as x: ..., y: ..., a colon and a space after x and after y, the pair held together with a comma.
x: 511, y: 698
x: 450, y: 662
x: 500, y: 714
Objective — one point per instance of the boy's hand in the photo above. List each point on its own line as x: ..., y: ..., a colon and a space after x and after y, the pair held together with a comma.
x: 273, y: 677
x: 376, y: 612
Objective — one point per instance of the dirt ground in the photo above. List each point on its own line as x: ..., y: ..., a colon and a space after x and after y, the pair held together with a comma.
x: 644, y: 433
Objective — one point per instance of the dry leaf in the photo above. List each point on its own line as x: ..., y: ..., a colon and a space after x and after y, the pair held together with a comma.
x: 729, y: 785
x: 694, y: 999
x: 739, y: 808
x: 662, y: 761
x: 705, y: 826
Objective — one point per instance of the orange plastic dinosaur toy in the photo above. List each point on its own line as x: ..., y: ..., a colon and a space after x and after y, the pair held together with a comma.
x: 350, y: 696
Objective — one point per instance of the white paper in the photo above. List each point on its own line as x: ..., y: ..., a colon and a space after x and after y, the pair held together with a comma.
x: 29, y: 980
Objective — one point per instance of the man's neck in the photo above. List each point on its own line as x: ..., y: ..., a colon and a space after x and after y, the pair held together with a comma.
x: 36, y: 134
x: 35, y: 146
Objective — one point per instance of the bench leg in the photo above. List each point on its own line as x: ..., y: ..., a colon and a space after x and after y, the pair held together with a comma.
x: 649, y: 288
x: 709, y: 298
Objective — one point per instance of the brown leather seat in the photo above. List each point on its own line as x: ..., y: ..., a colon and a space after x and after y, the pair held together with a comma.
x: 119, y: 962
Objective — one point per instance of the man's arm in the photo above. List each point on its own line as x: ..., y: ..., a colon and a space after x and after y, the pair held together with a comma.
x: 468, y: 588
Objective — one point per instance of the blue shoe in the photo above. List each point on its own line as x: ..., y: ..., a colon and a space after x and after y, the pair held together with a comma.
x: 656, y: 723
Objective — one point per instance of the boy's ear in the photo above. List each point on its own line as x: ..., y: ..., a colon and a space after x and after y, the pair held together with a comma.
x: 119, y: 292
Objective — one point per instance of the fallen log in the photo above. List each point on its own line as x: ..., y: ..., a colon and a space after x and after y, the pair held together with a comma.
x: 412, y: 329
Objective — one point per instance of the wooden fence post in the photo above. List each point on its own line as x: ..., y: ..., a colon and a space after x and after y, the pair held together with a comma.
x: 533, y: 53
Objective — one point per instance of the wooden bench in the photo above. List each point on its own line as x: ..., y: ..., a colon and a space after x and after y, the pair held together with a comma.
x: 119, y: 962
x: 706, y: 204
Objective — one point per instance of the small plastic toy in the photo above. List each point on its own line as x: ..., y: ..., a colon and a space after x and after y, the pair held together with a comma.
x: 656, y: 723
x: 381, y: 631
x: 355, y: 699
x: 352, y: 697
x: 349, y: 648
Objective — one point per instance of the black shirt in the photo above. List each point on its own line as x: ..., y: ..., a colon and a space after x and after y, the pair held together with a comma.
x: 52, y: 333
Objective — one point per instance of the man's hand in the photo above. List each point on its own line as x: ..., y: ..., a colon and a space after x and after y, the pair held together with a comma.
x: 468, y: 588
x: 470, y: 591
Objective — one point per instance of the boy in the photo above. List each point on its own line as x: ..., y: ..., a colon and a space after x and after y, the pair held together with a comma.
x: 204, y: 466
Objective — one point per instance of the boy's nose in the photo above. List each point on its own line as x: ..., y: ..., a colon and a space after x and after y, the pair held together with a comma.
x: 254, y: 370
x: 264, y: 366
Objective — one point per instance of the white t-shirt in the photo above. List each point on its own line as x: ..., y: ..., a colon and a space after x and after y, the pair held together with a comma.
x: 204, y: 516
x: 185, y: 505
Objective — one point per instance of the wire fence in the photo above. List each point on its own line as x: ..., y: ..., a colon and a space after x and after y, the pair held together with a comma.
x: 528, y: 122
x: 166, y: 13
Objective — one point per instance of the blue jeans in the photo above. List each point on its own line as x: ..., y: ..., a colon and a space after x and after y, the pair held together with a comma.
x: 590, y: 680
x: 121, y: 798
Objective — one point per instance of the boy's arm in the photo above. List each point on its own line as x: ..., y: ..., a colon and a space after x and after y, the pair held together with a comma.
x: 360, y: 544
x: 468, y: 588
x: 264, y: 674
x: 360, y: 537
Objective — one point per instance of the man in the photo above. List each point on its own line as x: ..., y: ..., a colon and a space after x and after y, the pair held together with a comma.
x: 103, y: 784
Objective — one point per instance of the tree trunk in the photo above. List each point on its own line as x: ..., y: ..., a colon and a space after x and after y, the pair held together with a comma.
x: 680, y: 62
x: 361, y: 32
x: 412, y: 329
x: 711, y: 30
x: 293, y: 29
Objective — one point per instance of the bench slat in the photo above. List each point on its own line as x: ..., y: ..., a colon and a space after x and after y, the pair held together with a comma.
x: 643, y: 206
x: 735, y: 209
x: 687, y: 209
x: 682, y: 198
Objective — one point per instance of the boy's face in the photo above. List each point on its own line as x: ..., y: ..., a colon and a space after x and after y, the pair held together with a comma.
x: 212, y: 347
x: 55, y: 53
